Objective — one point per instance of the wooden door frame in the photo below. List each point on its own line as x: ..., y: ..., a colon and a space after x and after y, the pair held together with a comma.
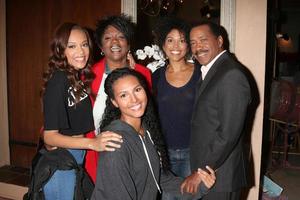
x: 4, y: 133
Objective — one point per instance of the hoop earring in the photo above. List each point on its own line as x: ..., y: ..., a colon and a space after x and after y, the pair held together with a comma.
x: 102, y: 53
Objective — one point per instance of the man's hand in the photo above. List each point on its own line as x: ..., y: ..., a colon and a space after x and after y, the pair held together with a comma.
x: 208, y: 179
x: 191, y: 183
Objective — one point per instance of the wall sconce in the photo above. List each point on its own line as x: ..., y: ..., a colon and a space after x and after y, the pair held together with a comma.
x: 284, y: 42
x: 284, y: 36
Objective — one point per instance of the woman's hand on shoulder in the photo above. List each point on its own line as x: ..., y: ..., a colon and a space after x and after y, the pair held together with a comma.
x: 106, y: 141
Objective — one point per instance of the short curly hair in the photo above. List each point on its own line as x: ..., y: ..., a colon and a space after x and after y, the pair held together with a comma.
x: 165, y: 25
x: 121, y: 22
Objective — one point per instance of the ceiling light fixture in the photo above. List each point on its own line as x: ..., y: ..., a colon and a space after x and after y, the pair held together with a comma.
x: 209, y: 10
x: 155, y: 7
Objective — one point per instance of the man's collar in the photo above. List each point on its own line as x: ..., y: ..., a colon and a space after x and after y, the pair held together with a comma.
x: 214, y: 60
x: 206, y: 68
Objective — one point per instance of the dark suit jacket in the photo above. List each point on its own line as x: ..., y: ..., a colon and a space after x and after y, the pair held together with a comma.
x: 220, y: 109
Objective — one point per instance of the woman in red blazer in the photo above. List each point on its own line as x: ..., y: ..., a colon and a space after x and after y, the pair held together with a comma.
x: 113, y: 36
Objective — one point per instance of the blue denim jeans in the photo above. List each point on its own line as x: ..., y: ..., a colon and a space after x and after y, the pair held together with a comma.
x: 180, y: 166
x: 61, y: 186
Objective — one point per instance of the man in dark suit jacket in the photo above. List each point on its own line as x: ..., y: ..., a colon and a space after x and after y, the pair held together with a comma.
x: 218, y: 121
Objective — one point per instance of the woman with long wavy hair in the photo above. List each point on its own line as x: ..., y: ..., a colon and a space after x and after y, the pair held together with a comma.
x: 139, y: 169
x: 67, y: 108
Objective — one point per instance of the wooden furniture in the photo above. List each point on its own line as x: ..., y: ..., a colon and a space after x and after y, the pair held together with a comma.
x: 278, y: 128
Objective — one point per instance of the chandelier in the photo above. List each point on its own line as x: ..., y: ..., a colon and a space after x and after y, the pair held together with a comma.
x: 155, y: 7
x: 210, y: 9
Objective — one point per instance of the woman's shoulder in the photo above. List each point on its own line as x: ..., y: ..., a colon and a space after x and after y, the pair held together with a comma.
x: 157, y: 73
x: 159, y: 70
x: 129, y: 135
x: 120, y: 127
x: 58, y: 77
x: 142, y: 69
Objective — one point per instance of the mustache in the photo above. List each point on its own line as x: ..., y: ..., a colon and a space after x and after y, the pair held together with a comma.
x: 200, y: 51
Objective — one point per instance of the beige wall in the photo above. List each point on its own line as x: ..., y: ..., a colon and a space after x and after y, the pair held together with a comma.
x: 250, y: 48
x: 4, y: 150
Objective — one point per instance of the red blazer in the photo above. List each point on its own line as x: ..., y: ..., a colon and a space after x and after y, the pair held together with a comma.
x: 91, y: 158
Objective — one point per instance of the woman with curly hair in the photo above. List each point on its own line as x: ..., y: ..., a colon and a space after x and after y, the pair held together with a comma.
x: 139, y: 169
x: 113, y: 35
x: 178, y: 78
x: 67, y: 107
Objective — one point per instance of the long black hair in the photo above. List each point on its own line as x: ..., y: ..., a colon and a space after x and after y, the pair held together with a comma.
x: 149, y: 119
x: 81, y: 79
